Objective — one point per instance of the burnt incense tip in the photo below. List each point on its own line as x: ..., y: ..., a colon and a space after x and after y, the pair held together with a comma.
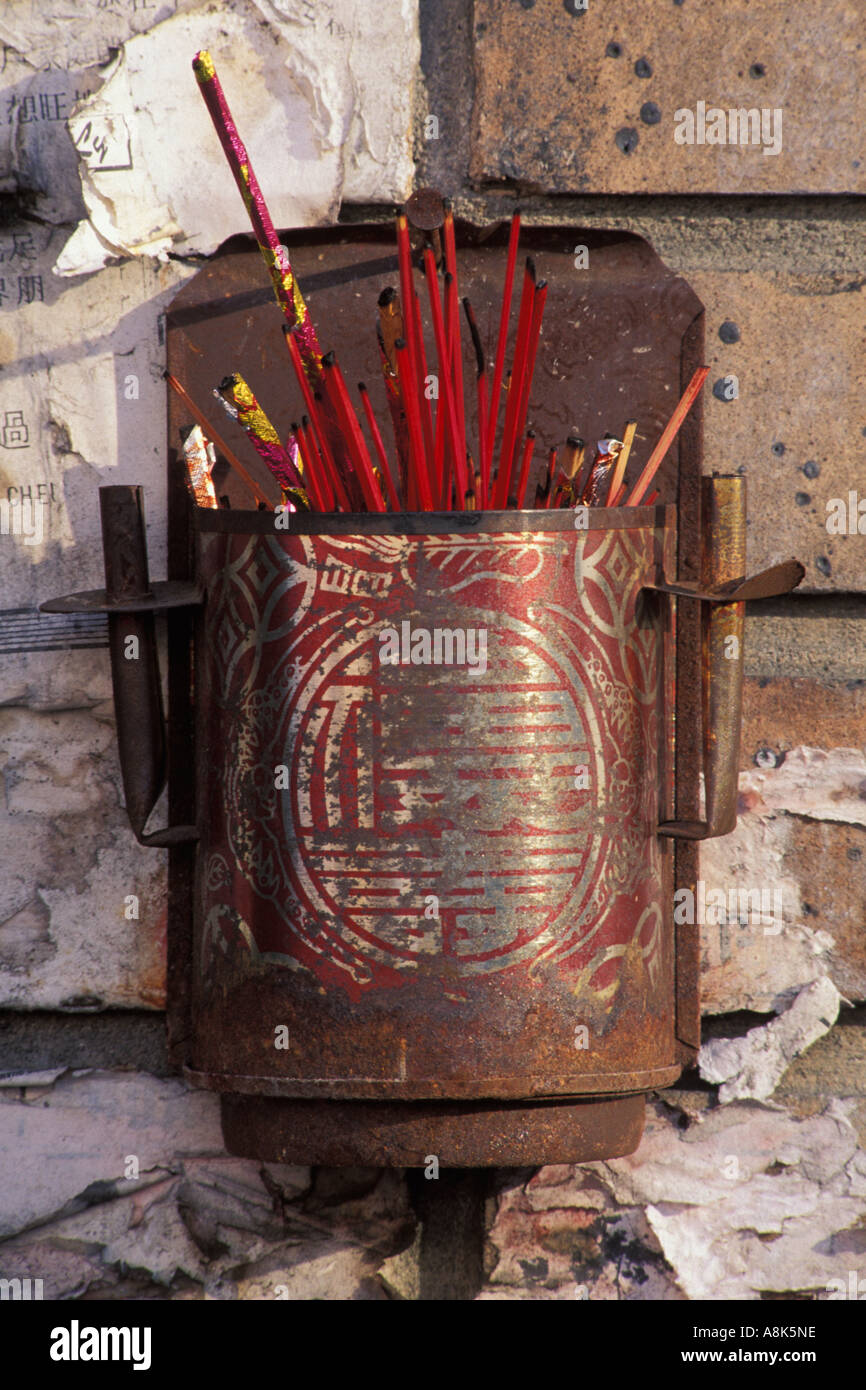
x: 530, y: 266
x: 530, y: 434
x: 294, y: 427
x: 448, y: 278
x: 575, y: 441
x: 362, y: 386
x: 388, y: 295
x: 541, y: 285
x: 329, y: 359
x: 228, y: 382
x: 305, y: 420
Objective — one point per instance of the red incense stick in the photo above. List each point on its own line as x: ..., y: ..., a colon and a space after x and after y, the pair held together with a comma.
x: 538, y: 303
x: 446, y: 394
x: 668, y: 436
x: 502, y: 339
x: 307, y: 475
x: 443, y: 478
x: 524, y: 468
x: 455, y: 360
x: 455, y: 346
x: 335, y: 386
x: 551, y: 474
x: 413, y: 421
x: 481, y: 398
x: 503, y: 479
x: 411, y: 380
x: 423, y: 399
x: 318, y: 424
x: 379, y: 447
x: 481, y: 389
x: 407, y: 298
x: 317, y: 464
x: 346, y: 485
x: 389, y: 328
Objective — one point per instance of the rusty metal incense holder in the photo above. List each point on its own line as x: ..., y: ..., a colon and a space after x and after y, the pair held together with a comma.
x: 417, y: 907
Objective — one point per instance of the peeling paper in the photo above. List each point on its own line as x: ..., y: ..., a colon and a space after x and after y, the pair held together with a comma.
x: 752, y: 964
x: 363, y: 58
x: 321, y: 96
x: 176, y: 187
x: 28, y: 1080
x: 746, y: 1201
x: 43, y: 35
x: 814, y: 782
x: 750, y: 1200
x: 751, y: 1067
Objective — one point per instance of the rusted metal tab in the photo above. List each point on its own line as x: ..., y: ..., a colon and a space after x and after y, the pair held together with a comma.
x: 769, y: 583
x: 164, y: 594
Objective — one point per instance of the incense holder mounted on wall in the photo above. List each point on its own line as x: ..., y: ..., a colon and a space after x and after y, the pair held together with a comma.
x: 435, y: 778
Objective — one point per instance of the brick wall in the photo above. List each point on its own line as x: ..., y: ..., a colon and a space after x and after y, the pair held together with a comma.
x: 751, y: 1180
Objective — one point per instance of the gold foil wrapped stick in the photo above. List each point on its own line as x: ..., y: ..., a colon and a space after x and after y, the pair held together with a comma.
x: 199, y: 457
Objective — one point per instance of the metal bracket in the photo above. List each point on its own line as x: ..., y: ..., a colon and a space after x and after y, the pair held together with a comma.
x: 131, y: 603
x: 723, y: 599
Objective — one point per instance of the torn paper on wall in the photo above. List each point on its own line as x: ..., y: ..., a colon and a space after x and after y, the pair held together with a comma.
x: 322, y: 100
x: 750, y: 1068
x: 750, y: 958
x: 745, y: 1202
x: 47, y: 63
x: 824, y: 784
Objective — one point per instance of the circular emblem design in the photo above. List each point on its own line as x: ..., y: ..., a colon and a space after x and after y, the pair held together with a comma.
x: 462, y: 815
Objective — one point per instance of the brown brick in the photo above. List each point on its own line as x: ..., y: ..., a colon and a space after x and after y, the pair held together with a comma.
x: 781, y: 714
x: 550, y: 99
x: 800, y: 364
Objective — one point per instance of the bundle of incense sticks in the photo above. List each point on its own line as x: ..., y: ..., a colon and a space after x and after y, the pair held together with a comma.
x: 438, y: 463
